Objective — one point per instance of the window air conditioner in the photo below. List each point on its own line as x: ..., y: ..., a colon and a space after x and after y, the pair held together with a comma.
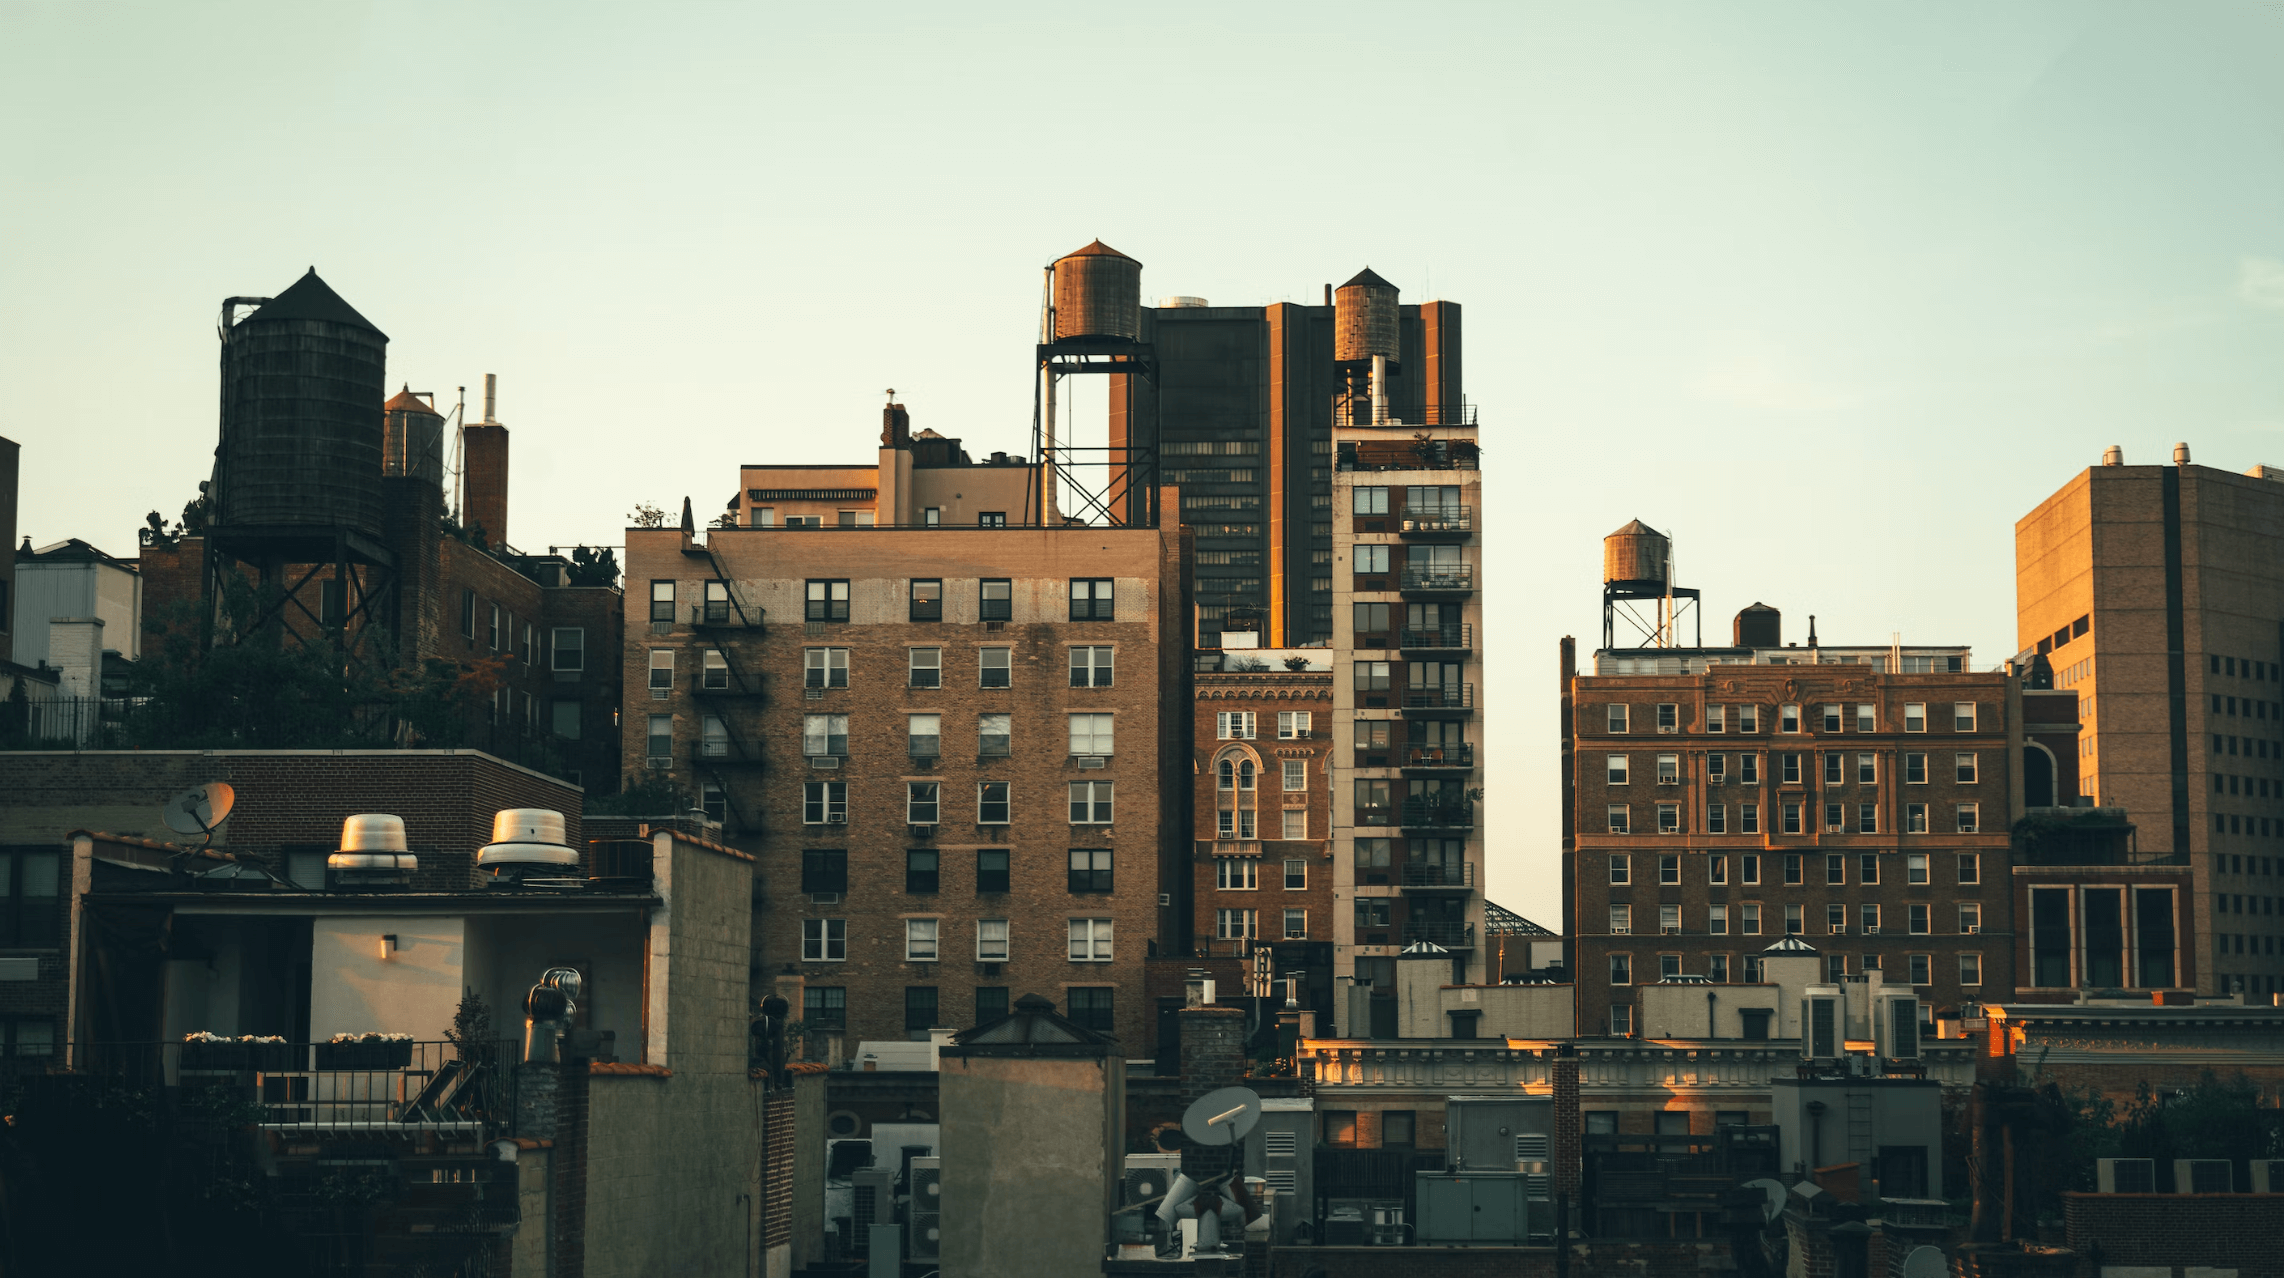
x: 1871, y: 931
x: 838, y: 819
x: 660, y: 762
x: 826, y: 761
x: 824, y: 898
x: 1090, y: 762
x: 1973, y: 928
x: 1671, y: 931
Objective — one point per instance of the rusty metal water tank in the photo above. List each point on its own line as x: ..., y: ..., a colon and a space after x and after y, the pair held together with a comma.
x: 1759, y: 626
x: 302, y: 386
x: 1098, y: 293
x: 412, y: 438
x: 1636, y: 553
x: 1364, y: 319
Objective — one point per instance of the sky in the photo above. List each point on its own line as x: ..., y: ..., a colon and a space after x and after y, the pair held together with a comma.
x: 1833, y: 292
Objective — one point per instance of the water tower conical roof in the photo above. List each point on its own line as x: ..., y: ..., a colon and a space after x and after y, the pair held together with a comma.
x: 311, y: 298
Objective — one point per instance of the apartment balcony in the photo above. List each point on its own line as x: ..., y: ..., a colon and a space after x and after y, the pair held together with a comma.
x: 1458, y: 638
x: 1443, y: 758
x: 1439, y: 523
x: 1445, y: 701
x: 1436, y: 876
x: 1438, y: 579
x: 1437, y: 814
x: 723, y: 614
x: 1451, y: 936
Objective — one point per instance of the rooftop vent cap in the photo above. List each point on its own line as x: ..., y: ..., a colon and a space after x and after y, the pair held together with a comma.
x: 2181, y: 454
x: 527, y: 836
x: 2113, y: 456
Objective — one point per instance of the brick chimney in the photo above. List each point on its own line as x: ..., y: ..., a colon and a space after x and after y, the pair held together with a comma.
x: 1569, y: 1154
x: 484, y: 472
x: 1213, y: 1057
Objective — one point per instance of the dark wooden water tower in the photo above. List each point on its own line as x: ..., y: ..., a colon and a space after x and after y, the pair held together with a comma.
x: 296, y: 495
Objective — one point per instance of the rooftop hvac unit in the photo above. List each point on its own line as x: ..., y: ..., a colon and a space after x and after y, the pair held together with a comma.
x: 924, y: 1234
x: 1820, y: 1022
x: 1147, y: 1176
x: 2125, y: 1175
x: 1344, y: 1225
x: 2203, y: 1176
x: 872, y: 1201
x: 1895, y: 1027
x: 2268, y: 1175
x: 1384, y: 1225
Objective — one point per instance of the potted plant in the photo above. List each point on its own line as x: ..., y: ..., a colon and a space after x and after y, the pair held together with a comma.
x: 273, y: 1055
x: 202, y: 1050
x: 370, y: 1050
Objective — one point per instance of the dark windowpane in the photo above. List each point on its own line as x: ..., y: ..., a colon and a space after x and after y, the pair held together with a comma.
x: 990, y: 1003
x: 920, y: 1009
x: 991, y: 870
x: 1090, y: 1007
x: 824, y: 870
x: 920, y: 870
x: 825, y: 1007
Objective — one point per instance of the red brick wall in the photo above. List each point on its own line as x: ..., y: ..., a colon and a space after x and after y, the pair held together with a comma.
x: 2239, y: 1231
x: 1264, y: 694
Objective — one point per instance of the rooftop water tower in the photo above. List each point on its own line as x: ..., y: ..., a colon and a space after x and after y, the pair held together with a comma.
x: 1092, y: 324
x: 1638, y: 587
x: 1367, y: 346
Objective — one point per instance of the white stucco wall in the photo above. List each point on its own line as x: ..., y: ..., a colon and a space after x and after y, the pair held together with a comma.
x: 414, y: 990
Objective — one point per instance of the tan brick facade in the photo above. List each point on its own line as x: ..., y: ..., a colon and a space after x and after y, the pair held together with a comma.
x: 1651, y: 869
x: 744, y: 749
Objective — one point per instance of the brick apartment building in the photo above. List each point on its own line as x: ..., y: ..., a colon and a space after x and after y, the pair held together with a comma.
x: 1408, y: 628
x: 2154, y: 594
x: 1720, y: 798
x: 1261, y: 803
x: 939, y: 730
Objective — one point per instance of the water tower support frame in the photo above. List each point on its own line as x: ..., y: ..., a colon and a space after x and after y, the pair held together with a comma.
x: 1128, y: 496
x: 365, y: 566
x: 1673, y: 603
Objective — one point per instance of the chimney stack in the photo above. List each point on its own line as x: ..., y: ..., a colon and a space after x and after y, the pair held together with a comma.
x: 484, y: 473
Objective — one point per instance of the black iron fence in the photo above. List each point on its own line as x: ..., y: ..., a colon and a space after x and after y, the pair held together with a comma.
x: 1439, y: 577
x: 1459, y: 637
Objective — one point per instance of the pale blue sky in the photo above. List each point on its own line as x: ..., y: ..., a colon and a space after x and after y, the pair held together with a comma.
x: 1836, y: 291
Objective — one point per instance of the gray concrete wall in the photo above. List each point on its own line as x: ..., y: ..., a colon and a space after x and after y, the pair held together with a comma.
x: 1030, y: 1163
x: 808, y: 1169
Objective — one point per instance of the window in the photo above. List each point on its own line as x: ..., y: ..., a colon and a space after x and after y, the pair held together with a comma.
x: 825, y: 803
x: 1968, y: 817
x: 824, y: 870
x: 1833, y: 814
x: 1915, y: 918
x: 1091, y: 667
x: 1669, y: 818
x: 991, y: 519
x: 1235, y: 925
x: 993, y: 735
x: 1835, y: 768
x: 1919, y: 966
x: 991, y: 870
x: 661, y: 737
x: 1621, y: 868
x: 1717, y: 819
x: 1373, y: 912
x: 1717, y: 919
x: 1867, y: 818
x: 993, y: 667
x: 1371, y: 559
x: 1370, y: 676
x: 1296, y: 773
x: 1617, y: 717
x: 1963, y: 767
x: 1915, y: 768
x: 924, y: 668
x: 1235, y: 873
x: 1869, y: 917
x: 1233, y: 725
x: 1669, y: 921
x: 713, y: 737
x: 1915, y: 818
x: 825, y: 667
x: 1668, y: 967
x: 1836, y: 919
x: 1717, y: 870
x: 1621, y: 920
x: 1832, y: 717
x: 1090, y: 1005
x: 1970, y: 969
x: 1749, y: 769
x: 468, y: 614
x: 990, y: 1000
x: 920, y: 871
x: 1794, y: 870
x: 1091, y: 734
x: 1616, y: 767
x: 827, y: 601
x: 1621, y: 972
x: 825, y: 1007
x: 924, y: 735
x: 1835, y: 968
x: 1791, y: 818
x: 1749, y: 922
x: 991, y: 940
x: 713, y: 670
x: 825, y: 735
x: 1296, y: 823
x: 920, y: 802
x: 1090, y: 870
x: 1369, y: 619
x: 1748, y: 818
x: 30, y: 894
x: 661, y: 673
x: 919, y: 1011
x: 1788, y: 718
x: 1748, y: 718
x: 661, y: 601
x: 995, y: 599
x: 1619, y: 821
x: 920, y: 941
x: 1668, y: 717
x: 925, y: 599
x: 1370, y: 500
x: 992, y: 804
x: 1296, y: 874
x: 1091, y: 599
x: 1835, y: 869
x: 1370, y: 734
x: 1915, y: 869
x: 1970, y: 867
x: 1867, y: 717
x: 1915, y: 716
x: 1373, y: 854
x: 1669, y: 769
x: 1867, y: 769
x: 1669, y: 870
x: 1793, y: 923
x: 1090, y: 940
x: 1868, y: 868
x: 1090, y: 802
x: 567, y: 649
x: 1963, y: 716
x: 1295, y: 725
x: 824, y: 940
x: 1716, y: 718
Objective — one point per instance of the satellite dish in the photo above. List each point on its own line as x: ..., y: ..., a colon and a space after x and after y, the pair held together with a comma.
x: 200, y: 808
x: 1222, y: 1117
x: 1772, y: 1197
x: 1925, y: 1262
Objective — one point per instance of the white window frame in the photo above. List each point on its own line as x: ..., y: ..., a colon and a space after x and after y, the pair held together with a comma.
x: 818, y: 938
x: 1717, y: 919
x: 985, y: 657
x: 818, y: 668
x: 1915, y: 873
x: 923, y: 802
x: 917, y: 660
x: 1965, y: 768
x: 1617, y: 717
x: 991, y: 943
x: 1969, y: 816
x: 1236, y: 923
x: 1915, y: 716
x: 824, y: 802
x: 1669, y: 769
x: 661, y: 673
x: 1621, y: 821
x: 1007, y: 737
x: 1006, y: 801
x: 1097, y: 664
x: 1621, y: 920
x: 1293, y: 816
x: 1296, y: 776
x: 1099, y: 795
x: 577, y: 650
x: 1788, y: 719
x: 1617, y: 769
x: 1295, y: 725
x: 1233, y: 725
x: 1962, y: 716
x: 1090, y: 940
x: 921, y: 937
x: 1716, y: 718
x: 1237, y: 874
x: 1092, y: 733
x: 1296, y: 925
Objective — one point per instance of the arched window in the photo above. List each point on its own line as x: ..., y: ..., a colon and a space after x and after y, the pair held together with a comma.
x: 1237, y: 775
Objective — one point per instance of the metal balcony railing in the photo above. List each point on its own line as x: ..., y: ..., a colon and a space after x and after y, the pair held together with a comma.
x: 1439, y: 814
x: 1457, y: 638
x: 1461, y: 755
x: 1451, y: 936
x: 1439, y: 577
x: 720, y: 612
x: 1440, y: 519
x: 1449, y: 696
x: 1361, y: 413
x: 1375, y: 814
x: 1439, y: 874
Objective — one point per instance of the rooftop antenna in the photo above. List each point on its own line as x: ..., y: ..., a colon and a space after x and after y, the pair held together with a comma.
x: 459, y: 421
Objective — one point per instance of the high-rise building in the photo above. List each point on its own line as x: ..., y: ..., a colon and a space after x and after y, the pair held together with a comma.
x: 1408, y: 638
x: 937, y: 727
x: 2156, y: 594
x: 1857, y: 799
x: 1239, y: 415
